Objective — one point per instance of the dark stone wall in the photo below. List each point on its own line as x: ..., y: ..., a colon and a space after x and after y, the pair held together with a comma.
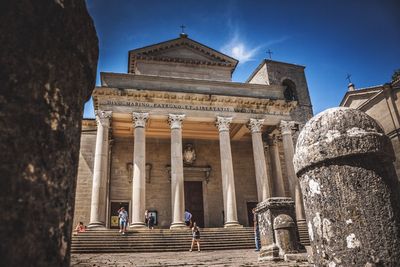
x: 48, y: 59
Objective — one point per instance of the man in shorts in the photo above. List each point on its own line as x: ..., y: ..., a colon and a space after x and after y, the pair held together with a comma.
x: 123, y: 220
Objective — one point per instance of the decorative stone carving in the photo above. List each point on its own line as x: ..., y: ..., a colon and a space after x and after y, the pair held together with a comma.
x: 140, y: 119
x: 287, y: 127
x: 175, y: 120
x: 194, y: 169
x: 344, y: 162
x: 255, y: 125
x: 189, y: 154
x: 223, y: 123
x: 103, y: 117
x: 129, y: 168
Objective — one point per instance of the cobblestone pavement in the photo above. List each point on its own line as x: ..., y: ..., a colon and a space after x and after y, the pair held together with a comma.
x: 204, y: 258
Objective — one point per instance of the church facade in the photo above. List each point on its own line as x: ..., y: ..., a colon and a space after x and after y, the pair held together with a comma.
x: 176, y: 133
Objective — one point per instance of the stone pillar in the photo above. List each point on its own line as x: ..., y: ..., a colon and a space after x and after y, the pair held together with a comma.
x: 294, y: 186
x: 267, y: 211
x: 99, y: 185
x: 262, y: 178
x: 48, y: 60
x: 345, y: 165
x: 177, y: 181
x: 276, y: 168
x: 228, y: 182
x: 139, y: 170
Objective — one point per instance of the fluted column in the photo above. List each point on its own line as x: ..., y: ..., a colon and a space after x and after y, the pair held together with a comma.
x: 177, y: 182
x: 262, y: 178
x: 276, y: 168
x: 99, y: 185
x: 139, y: 170
x: 228, y: 183
x: 295, y: 191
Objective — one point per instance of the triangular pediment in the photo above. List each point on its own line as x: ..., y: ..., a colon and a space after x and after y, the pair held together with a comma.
x: 360, y: 97
x: 183, y: 50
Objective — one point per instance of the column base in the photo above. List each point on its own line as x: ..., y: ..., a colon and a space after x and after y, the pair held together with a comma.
x: 232, y: 225
x: 96, y: 226
x: 269, y: 253
x: 178, y: 225
x: 137, y: 225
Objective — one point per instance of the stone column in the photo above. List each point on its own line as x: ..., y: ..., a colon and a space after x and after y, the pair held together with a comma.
x: 228, y: 183
x: 177, y: 181
x: 351, y: 193
x: 276, y: 168
x: 139, y: 170
x: 99, y: 185
x: 262, y: 178
x: 294, y: 186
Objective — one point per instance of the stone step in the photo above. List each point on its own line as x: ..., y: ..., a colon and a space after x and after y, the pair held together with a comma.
x: 303, y: 234
x: 160, y: 240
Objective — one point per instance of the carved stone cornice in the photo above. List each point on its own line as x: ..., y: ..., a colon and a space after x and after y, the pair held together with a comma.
x: 223, y: 123
x: 255, y: 125
x: 287, y: 127
x: 139, y: 119
x: 175, y: 120
x: 260, y: 105
x: 194, y: 169
x: 103, y: 117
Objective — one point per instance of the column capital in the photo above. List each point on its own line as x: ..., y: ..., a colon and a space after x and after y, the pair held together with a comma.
x: 287, y: 127
x: 255, y: 125
x: 175, y: 120
x: 139, y: 119
x: 103, y: 117
x: 223, y: 123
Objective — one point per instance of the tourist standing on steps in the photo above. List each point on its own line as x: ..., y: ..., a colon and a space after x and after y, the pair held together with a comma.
x: 151, y: 221
x: 123, y: 220
x: 188, y: 218
x: 146, y: 217
x: 256, y: 230
x: 195, y: 237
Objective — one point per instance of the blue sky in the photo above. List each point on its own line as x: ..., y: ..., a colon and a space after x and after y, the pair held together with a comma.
x: 331, y: 38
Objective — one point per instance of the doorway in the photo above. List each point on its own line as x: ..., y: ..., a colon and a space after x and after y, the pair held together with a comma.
x: 194, y: 201
x: 115, y: 205
x: 250, y: 216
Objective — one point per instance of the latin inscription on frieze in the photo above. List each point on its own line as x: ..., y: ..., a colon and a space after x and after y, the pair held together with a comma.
x: 181, y: 106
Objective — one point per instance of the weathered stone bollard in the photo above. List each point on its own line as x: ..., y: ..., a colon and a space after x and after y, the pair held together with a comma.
x: 48, y: 60
x: 350, y: 188
x: 269, y: 212
x: 285, y: 234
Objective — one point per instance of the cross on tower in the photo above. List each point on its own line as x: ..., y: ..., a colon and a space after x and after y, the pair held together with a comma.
x: 183, y: 28
x: 269, y: 53
x: 348, y: 77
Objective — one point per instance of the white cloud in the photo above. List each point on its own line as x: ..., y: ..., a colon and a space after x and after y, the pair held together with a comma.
x: 237, y: 48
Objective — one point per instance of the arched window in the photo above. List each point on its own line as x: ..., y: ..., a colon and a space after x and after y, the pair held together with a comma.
x: 290, y: 90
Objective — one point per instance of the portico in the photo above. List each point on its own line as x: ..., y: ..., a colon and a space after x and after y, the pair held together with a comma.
x: 183, y: 140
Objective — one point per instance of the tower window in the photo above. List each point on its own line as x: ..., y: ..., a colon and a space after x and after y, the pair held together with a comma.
x: 290, y: 90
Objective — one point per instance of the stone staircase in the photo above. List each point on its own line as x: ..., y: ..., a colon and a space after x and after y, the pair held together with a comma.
x: 303, y: 234
x: 161, y: 240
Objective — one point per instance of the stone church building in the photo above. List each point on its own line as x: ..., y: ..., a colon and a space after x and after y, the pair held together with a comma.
x: 175, y: 133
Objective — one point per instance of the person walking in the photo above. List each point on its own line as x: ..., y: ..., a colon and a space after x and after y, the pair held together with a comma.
x: 123, y: 220
x: 256, y: 230
x: 188, y: 218
x: 195, y: 237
